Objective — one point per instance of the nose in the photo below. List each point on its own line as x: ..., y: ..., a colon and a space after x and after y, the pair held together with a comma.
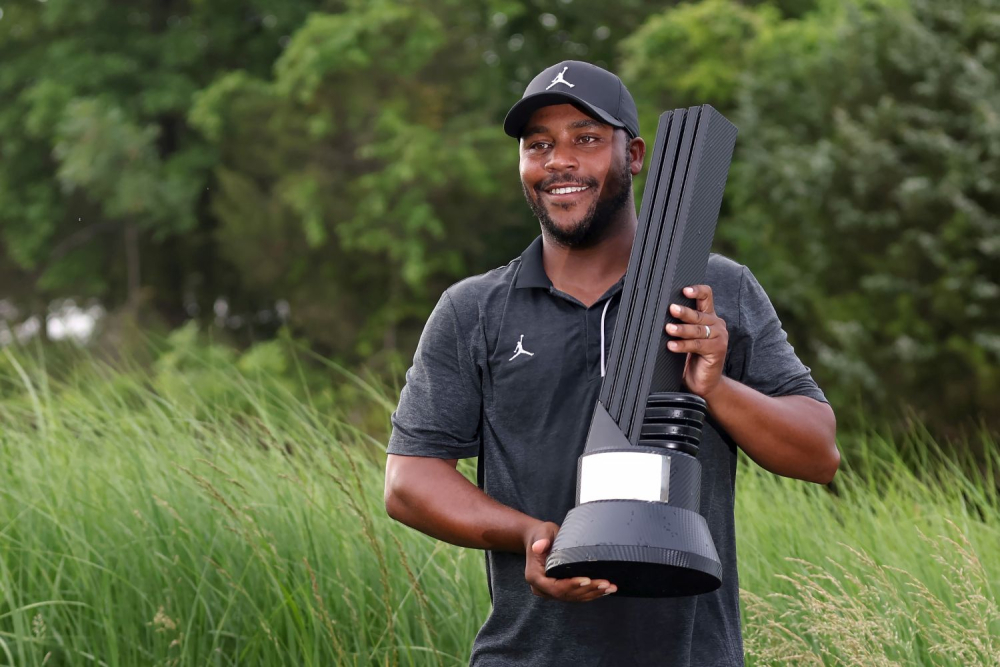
x: 561, y: 158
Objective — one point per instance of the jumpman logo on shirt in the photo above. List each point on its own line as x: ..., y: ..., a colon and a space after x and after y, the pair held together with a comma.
x: 520, y: 349
x: 559, y: 79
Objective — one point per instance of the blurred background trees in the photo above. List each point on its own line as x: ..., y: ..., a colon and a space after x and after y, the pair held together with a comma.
x: 333, y: 166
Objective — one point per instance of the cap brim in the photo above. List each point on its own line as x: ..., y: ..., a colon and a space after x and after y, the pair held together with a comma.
x: 519, y: 114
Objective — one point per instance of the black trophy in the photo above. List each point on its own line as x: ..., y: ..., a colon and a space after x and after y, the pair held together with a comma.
x: 636, y: 522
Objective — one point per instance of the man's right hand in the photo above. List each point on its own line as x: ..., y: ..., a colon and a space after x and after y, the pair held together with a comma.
x: 537, y: 544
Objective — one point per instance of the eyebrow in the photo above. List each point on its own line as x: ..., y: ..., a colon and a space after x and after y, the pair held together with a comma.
x: 541, y: 129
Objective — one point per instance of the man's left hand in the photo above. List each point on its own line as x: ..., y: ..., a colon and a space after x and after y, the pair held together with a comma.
x: 706, y: 347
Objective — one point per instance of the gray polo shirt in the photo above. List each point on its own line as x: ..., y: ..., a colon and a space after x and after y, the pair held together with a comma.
x: 508, y: 368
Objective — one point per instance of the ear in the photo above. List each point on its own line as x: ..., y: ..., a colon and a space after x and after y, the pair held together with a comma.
x: 637, y: 154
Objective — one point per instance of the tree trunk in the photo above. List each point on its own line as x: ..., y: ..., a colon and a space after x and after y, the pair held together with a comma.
x: 133, y: 279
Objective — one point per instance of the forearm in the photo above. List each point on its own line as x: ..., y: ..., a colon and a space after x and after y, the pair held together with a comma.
x: 431, y: 496
x: 792, y: 436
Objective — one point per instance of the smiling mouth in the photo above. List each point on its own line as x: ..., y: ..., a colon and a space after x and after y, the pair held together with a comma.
x: 566, y: 190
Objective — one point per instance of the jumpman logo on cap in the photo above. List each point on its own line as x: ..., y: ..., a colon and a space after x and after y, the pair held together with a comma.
x: 520, y: 349
x: 559, y: 79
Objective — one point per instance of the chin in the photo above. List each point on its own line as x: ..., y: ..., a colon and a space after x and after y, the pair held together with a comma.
x: 567, y: 227
x: 571, y: 215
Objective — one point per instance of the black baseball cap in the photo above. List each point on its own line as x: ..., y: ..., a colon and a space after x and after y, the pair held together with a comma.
x: 597, y: 91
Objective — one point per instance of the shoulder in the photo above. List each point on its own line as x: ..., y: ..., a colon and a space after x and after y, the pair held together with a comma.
x: 470, y: 294
x: 723, y: 272
x: 476, y: 300
x: 725, y: 277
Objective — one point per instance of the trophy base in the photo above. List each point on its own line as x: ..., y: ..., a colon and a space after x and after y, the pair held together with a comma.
x: 646, y: 549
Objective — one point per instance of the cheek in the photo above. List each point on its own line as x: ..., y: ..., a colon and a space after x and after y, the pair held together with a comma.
x: 530, y: 173
x: 605, y: 178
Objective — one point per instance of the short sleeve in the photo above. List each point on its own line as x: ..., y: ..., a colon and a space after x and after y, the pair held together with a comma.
x: 440, y: 406
x: 760, y: 355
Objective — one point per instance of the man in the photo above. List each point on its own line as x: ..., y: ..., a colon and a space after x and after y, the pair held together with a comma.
x: 509, y: 367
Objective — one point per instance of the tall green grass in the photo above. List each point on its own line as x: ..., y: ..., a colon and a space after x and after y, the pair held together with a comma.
x: 219, y: 509
x: 901, y: 567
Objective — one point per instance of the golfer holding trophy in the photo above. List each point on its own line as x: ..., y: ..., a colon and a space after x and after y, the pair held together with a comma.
x: 605, y: 379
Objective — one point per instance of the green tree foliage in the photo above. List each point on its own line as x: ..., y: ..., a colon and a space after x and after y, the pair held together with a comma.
x: 693, y: 54
x: 369, y: 171
x: 347, y: 156
x: 102, y: 182
x: 863, y: 192
x: 347, y: 181
x: 866, y: 198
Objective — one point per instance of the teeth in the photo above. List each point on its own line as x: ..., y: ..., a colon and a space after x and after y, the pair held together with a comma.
x: 566, y: 191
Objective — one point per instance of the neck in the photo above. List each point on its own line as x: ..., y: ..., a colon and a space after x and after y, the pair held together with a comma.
x: 589, y: 272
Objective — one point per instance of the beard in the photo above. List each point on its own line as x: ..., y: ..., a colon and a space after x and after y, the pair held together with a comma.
x: 599, y: 219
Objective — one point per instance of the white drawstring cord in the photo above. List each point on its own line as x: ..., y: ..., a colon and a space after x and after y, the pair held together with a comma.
x: 603, y: 313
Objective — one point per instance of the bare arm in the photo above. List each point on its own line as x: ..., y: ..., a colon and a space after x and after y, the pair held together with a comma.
x: 792, y: 436
x: 431, y: 496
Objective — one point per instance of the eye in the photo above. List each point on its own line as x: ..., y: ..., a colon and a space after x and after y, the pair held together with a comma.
x: 538, y: 145
x: 589, y: 139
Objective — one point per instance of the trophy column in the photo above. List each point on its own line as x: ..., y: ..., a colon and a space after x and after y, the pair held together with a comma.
x: 636, y: 522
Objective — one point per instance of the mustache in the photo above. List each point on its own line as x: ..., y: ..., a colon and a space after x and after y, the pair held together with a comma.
x: 554, y: 181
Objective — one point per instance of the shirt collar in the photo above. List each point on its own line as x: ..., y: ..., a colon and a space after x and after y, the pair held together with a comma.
x: 532, y: 273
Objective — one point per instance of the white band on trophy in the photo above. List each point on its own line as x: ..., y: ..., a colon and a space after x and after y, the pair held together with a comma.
x: 624, y: 476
